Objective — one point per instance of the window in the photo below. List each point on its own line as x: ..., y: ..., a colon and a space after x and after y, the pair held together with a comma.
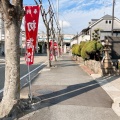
x: 109, y: 21
x: 106, y: 21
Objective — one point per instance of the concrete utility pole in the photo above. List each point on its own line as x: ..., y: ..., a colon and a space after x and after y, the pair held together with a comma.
x: 61, y: 37
x: 113, y: 17
x: 77, y: 38
x: 58, y: 24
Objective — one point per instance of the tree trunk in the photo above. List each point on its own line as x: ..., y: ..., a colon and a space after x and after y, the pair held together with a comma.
x: 12, y: 68
x: 48, y: 48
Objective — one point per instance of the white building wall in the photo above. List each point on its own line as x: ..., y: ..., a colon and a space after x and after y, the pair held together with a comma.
x: 83, y: 38
x: 102, y: 25
x: 86, y: 38
x: 73, y: 42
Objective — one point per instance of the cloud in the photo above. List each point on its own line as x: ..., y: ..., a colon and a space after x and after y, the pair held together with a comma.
x: 79, y: 16
x: 64, y: 24
x: 76, y: 14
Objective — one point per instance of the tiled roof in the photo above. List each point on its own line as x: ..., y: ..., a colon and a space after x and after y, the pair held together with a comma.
x: 107, y: 17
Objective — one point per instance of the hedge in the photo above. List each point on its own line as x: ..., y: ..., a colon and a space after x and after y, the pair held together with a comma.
x: 90, y: 47
x: 85, y: 48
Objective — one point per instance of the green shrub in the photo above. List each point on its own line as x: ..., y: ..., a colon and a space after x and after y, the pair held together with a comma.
x: 81, y: 46
x: 73, y: 48
x: 90, y: 47
x: 83, y: 51
x: 77, y: 49
x: 99, y: 46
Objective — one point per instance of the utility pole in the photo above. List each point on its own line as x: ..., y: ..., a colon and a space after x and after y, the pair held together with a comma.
x: 77, y: 38
x: 57, y: 27
x: 58, y: 11
x: 113, y: 17
x: 61, y: 37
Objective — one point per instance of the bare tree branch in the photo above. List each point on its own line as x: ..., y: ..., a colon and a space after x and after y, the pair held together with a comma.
x: 36, y: 2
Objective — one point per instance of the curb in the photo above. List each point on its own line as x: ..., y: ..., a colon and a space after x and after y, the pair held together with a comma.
x: 113, y: 93
x: 87, y: 70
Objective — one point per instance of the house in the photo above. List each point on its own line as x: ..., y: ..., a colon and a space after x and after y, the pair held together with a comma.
x: 104, y: 25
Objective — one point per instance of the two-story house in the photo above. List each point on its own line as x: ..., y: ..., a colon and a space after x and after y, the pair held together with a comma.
x: 104, y: 25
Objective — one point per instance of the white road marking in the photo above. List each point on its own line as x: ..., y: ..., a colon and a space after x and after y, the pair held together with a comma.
x: 1, y: 90
x: 32, y: 71
x: 27, y: 74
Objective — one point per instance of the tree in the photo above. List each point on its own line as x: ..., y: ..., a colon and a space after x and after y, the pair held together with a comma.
x: 13, y: 12
x: 47, y: 21
x: 96, y: 34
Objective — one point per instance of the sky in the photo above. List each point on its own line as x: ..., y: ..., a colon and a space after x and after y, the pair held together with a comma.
x: 74, y: 15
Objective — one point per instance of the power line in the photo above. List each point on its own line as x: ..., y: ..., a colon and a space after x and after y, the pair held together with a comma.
x: 54, y: 15
x: 40, y: 1
x: 54, y: 10
x: 70, y: 26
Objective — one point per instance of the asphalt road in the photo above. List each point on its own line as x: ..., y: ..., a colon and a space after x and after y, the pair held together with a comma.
x: 34, y: 69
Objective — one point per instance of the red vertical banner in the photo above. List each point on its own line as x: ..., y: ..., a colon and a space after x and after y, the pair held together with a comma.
x: 31, y: 29
x: 56, y: 48
x: 51, y: 49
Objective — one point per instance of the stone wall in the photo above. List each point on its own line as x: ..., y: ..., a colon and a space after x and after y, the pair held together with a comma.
x: 95, y: 66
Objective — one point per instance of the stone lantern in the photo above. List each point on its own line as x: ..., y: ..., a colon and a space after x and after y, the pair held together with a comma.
x: 107, y: 62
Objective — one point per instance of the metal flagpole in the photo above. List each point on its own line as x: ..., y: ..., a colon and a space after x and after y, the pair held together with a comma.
x: 30, y: 94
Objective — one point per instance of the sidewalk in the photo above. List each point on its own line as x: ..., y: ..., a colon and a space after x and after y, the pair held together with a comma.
x: 66, y: 92
x: 111, y: 84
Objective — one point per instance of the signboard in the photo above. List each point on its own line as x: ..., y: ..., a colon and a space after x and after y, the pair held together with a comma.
x: 31, y: 29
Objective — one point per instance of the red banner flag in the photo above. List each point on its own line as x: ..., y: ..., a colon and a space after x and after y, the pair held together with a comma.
x: 53, y: 49
x: 31, y: 29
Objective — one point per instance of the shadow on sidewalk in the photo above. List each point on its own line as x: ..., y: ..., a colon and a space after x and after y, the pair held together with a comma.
x: 70, y: 91
x: 65, y: 94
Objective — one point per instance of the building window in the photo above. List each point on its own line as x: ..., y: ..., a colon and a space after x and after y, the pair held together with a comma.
x: 106, y: 21
x: 110, y: 22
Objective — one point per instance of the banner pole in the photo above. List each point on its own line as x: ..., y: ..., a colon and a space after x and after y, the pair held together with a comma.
x: 30, y: 94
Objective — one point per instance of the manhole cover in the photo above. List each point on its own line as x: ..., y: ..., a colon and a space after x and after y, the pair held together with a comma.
x: 43, y: 92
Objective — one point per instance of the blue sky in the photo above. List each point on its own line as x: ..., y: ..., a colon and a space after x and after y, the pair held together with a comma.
x: 75, y: 14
